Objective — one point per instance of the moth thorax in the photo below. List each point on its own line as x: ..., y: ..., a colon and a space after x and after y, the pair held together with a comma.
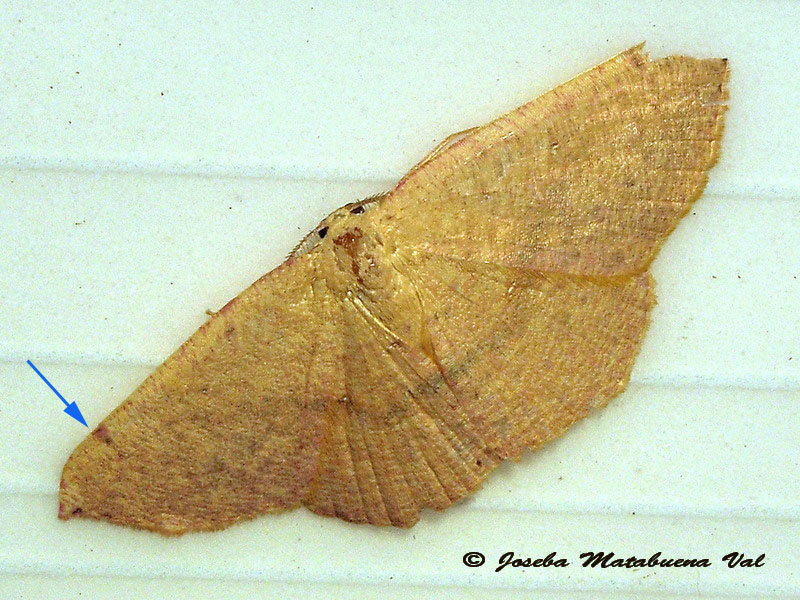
x: 361, y: 259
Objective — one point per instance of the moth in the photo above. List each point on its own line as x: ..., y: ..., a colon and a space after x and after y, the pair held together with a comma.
x: 417, y: 339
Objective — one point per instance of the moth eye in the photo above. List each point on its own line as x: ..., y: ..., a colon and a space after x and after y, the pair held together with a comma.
x: 322, y: 232
x: 357, y: 210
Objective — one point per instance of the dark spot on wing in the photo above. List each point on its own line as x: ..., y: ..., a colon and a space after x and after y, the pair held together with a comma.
x: 102, y: 434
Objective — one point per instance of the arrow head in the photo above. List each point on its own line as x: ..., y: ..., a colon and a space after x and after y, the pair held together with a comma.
x: 73, y: 411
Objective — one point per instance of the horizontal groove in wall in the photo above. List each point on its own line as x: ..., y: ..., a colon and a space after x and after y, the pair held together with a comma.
x: 787, y: 385
x: 146, y: 586
x: 12, y: 487
x: 321, y: 175
x: 205, y: 170
x: 362, y: 590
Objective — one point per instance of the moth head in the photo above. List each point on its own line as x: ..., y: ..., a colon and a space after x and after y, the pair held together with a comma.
x: 338, y: 218
x: 335, y: 223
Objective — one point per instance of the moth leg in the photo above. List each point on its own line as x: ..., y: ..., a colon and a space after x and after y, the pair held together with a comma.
x: 444, y: 145
x: 368, y: 200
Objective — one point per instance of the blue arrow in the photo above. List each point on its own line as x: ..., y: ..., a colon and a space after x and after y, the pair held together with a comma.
x: 72, y: 409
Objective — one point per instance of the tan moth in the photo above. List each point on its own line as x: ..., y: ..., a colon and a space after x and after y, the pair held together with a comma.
x: 415, y: 340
